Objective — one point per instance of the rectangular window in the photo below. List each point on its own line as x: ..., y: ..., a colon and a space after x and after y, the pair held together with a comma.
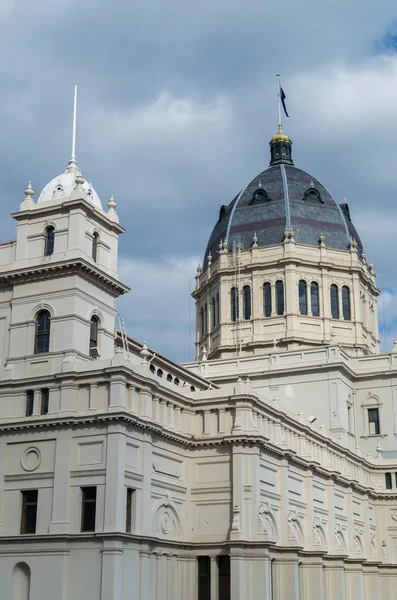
x: 129, y: 510
x: 29, y: 511
x: 88, y: 508
x: 388, y: 481
x: 373, y: 421
x: 224, y: 577
x: 29, y: 403
x: 395, y: 475
x: 45, y: 397
x: 204, y: 578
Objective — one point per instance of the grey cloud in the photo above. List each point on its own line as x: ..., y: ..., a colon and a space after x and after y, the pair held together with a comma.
x: 218, y: 56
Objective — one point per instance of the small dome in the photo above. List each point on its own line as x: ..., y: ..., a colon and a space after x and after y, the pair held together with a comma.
x: 61, y: 187
x: 280, y: 136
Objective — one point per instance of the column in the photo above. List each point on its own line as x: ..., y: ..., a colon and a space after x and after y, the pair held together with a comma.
x: 286, y: 577
x: 112, y: 559
x: 371, y: 582
x: 60, y: 517
x: 117, y: 396
x: 354, y: 581
x: 144, y: 524
x: 37, y: 403
x: 260, y: 577
x: 115, y: 492
x: 146, y: 575
x: 214, y: 578
x: 311, y: 578
x: 334, y: 581
x: 238, y: 585
x: 93, y: 397
x: 55, y: 400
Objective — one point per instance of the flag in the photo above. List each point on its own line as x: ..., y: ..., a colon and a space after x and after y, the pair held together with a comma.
x: 283, y: 96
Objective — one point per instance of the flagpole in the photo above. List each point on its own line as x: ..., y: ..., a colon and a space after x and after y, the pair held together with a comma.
x: 279, y: 101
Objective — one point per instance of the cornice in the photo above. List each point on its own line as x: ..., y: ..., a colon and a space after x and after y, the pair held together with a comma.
x: 193, y: 443
x: 60, y: 269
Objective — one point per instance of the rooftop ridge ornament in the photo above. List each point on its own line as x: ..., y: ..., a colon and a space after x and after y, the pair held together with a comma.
x: 73, y: 161
x: 29, y: 191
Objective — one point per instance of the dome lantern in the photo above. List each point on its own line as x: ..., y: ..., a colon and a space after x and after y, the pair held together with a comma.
x: 280, y: 148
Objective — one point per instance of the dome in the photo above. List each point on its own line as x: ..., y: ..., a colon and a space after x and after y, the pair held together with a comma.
x: 283, y: 198
x: 61, y: 187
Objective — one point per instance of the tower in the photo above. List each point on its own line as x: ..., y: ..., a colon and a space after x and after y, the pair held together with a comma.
x: 59, y: 277
x: 285, y: 267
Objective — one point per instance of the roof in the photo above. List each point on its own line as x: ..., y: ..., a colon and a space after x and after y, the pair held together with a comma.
x: 61, y: 187
x: 283, y: 198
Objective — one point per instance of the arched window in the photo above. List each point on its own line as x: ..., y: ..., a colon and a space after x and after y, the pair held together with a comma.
x: 42, y: 337
x: 346, y: 303
x: 159, y: 372
x: 153, y: 369
x: 267, y: 300
x: 247, y: 302
x: 314, y: 299
x: 94, y: 334
x: 176, y: 381
x: 279, y: 297
x: 21, y: 582
x: 205, y: 319
x: 202, y: 321
x: 49, y: 241
x: 334, y: 301
x: 302, y: 288
x: 169, y: 377
x: 213, y: 312
x: 95, y: 239
x: 217, y: 308
x: 234, y: 304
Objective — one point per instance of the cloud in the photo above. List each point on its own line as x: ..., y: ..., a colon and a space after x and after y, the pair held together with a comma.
x: 177, y: 103
x: 168, y: 283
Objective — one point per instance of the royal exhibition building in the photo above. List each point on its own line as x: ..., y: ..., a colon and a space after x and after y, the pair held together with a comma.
x: 264, y: 470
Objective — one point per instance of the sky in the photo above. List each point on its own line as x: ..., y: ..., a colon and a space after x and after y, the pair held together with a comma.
x: 177, y: 103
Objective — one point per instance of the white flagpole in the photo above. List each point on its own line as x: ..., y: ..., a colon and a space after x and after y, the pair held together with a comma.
x: 74, y: 124
x: 279, y: 101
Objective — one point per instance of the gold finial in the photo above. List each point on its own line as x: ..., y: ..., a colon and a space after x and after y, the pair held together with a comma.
x: 280, y: 136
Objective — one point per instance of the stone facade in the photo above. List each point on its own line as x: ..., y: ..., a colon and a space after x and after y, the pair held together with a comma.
x: 259, y: 475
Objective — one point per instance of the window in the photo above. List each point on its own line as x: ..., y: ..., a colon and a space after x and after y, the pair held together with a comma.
x: 217, y: 308
x: 29, y: 403
x: 314, y: 299
x: 395, y: 475
x: 94, y: 337
x: 49, y: 241
x: 234, y: 304
x: 205, y: 319
x: 224, y: 577
x: 88, y: 508
x: 169, y: 378
x: 29, y: 511
x: 45, y: 398
x: 160, y: 372
x: 213, y: 313
x: 302, y: 288
x: 388, y: 481
x: 95, y: 239
x: 267, y: 300
x: 42, y: 339
x: 247, y: 302
x: 373, y: 421
x: 346, y: 303
x: 204, y: 578
x: 202, y: 321
x: 152, y: 369
x: 334, y: 302
x: 279, y: 297
x: 129, y: 509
